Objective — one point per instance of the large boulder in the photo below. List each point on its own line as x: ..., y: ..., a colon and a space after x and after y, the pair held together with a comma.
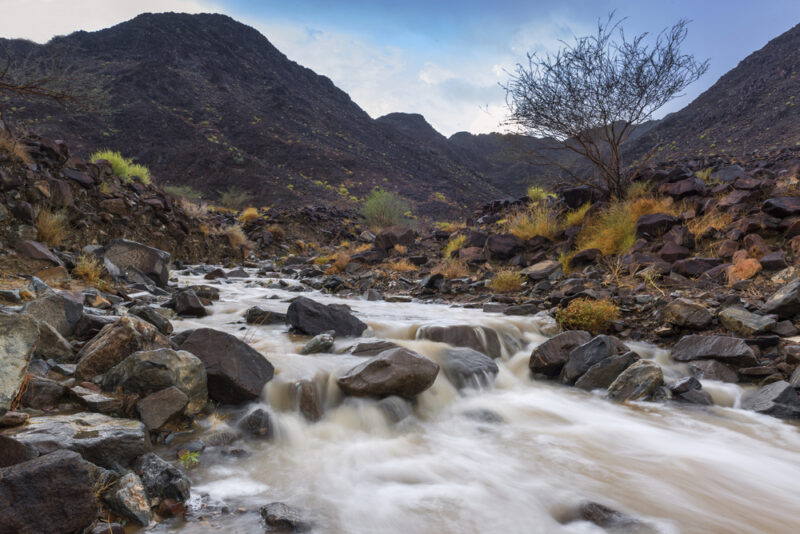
x: 53, y: 345
x: 121, y: 254
x: 52, y: 493
x: 504, y: 246
x: 785, y: 302
x: 18, y: 336
x: 602, y: 374
x: 745, y: 323
x: 686, y: 313
x: 722, y: 348
x: 235, y: 371
x: 465, y: 367
x: 147, y: 372
x: 694, y: 267
x: 395, y: 235
x: 778, y: 399
x: 654, y: 224
x: 781, y: 207
x: 637, y: 382
x: 312, y: 318
x: 187, y: 304
x: 59, y: 311
x: 101, y: 439
x: 115, y: 342
x: 549, y: 357
x: 480, y: 338
x: 583, y: 357
x: 398, y: 372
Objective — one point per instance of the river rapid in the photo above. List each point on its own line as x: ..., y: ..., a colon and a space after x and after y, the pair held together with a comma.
x: 519, y: 456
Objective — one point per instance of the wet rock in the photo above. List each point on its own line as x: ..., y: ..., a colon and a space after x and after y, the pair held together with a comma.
x: 128, y: 498
x: 115, y: 342
x: 637, y: 382
x: 238, y: 273
x: 602, y: 374
x: 146, y: 372
x: 319, y: 343
x: 161, y: 407
x: 371, y: 348
x: 260, y: 316
x: 549, y: 357
x: 53, y: 345
x: 280, y: 517
x: 162, y: 480
x: 654, y: 225
x: 504, y: 246
x: 18, y: 336
x: 713, y: 370
x: 205, y: 292
x: 480, y: 338
x: 187, y: 304
x: 724, y: 348
x: 781, y: 207
x: 308, y: 400
x: 584, y: 356
x: 12, y: 452
x: 42, y: 393
x: 59, y: 311
x: 395, y: 235
x: 236, y: 372
x: 52, y: 493
x: 94, y: 401
x: 398, y: 372
x: 522, y: 309
x: 742, y: 322
x: 686, y: 313
x: 257, y: 423
x: 785, y: 302
x: 610, y: 519
x: 121, y: 254
x: 101, y: 439
x: 466, y: 367
x: 152, y: 316
x: 312, y: 318
x: 213, y: 275
x: 778, y: 399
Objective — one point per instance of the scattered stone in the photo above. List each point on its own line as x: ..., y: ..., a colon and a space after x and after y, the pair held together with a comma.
x: 725, y: 348
x: 686, y: 313
x: 786, y: 301
x: 781, y: 207
x: 549, y: 357
x: 504, y: 246
x: 188, y: 304
x: 654, y: 225
x: 18, y: 336
x: 312, y: 318
x: 466, y: 367
x: 395, y: 235
x: 35, y: 251
x: 398, y: 372
x: 371, y: 348
x: 778, y: 399
x: 152, y: 316
x: 547, y: 269
x: 319, y: 343
x: 161, y: 407
x: 694, y: 267
x: 284, y: 518
x: 745, y: 323
x: 637, y: 382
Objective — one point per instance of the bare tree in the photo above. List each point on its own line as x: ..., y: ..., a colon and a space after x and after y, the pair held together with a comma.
x: 592, y: 94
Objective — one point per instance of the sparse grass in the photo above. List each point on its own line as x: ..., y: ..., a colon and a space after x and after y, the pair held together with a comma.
x: 89, y: 268
x: 454, y: 245
x: 383, y: 208
x: 575, y: 217
x: 248, y: 215
x: 451, y: 227
x: 105, y: 188
x: 183, y: 191
x: 361, y: 248
x: 236, y: 236
x: 322, y: 260
x: 638, y: 190
x: 277, y: 232
x: 713, y: 220
x: 537, y: 220
x: 564, y: 258
x: 193, y: 209
x: 451, y: 268
x: 52, y: 226
x: 342, y: 259
x: 536, y: 193
x: 123, y: 167
x: 594, y: 316
x: 11, y: 146
x: 704, y: 175
x: 234, y: 198
x: 401, y: 249
x: 507, y: 281
x: 401, y: 265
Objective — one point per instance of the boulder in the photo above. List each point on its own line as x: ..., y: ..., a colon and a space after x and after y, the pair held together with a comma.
x: 542, y: 270
x: 465, y: 367
x: 723, y: 348
x: 128, y: 498
x: 162, y: 480
x: 480, y: 338
x: 18, y: 336
x: 602, y: 374
x: 284, y: 518
x: 52, y: 345
x: 745, y: 323
x: 654, y: 224
x: 35, y: 251
x: 311, y: 318
x: 188, y: 304
x: 101, y: 439
x: 584, y: 356
x: 637, y: 382
x: 398, y: 372
x: 785, y: 302
x: 686, y: 313
x: 115, y: 342
x: 781, y: 207
x: 683, y: 188
x: 261, y: 316
x: 504, y: 246
x: 575, y: 197
x: 42, y: 393
x: 161, y: 407
x: 713, y: 370
x: 120, y: 254
x: 694, y: 267
x: 52, y: 493
x: 236, y: 372
x: 778, y: 399
x: 773, y: 261
x: 59, y: 311
x: 319, y: 343
x: 395, y: 235
x: 152, y: 316
x: 549, y: 357
x: 671, y: 252
x: 729, y: 173
x: 371, y: 348
x: 257, y: 423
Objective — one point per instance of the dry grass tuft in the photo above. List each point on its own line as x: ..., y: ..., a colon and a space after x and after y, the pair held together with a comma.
x: 248, y: 215
x: 11, y: 146
x: 401, y: 249
x: 236, y: 236
x: 52, y: 226
x: 506, y: 281
x: 402, y: 265
x: 451, y: 227
x: 361, y: 248
x: 536, y: 193
x: 638, y: 190
x: 537, y: 220
x: 713, y: 220
x: 451, y: 268
x: 277, y: 232
x: 594, y: 316
x: 342, y: 259
x: 575, y: 217
x: 90, y: 269
x: 454, y: 245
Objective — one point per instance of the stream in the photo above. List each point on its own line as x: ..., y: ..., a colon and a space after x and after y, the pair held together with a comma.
x: 518, y: 456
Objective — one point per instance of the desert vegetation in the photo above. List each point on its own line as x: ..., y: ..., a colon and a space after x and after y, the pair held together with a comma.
x: 383, y: 208
x: 123, y: 167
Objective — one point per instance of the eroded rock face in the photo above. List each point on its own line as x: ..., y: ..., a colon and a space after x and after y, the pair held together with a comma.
x: 480, y: 338
x: 235, y: 371
x: 18, y: 336
x: 121, y: 254
x: 398, y: 372
x: 52, y: 493
x: 312, y: 318
x: 637, y: 382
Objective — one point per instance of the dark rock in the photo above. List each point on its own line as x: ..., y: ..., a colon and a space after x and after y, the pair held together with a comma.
x: 694, y: 267
x: 261, y: 316
x: 284, y: 518
x: 257, y: 423
x: 602, y: 374
x: 778, y: 399
x: 504, y: 246
x: 695, y: 396
x: 215, y: 274
x: 12, y: 452
x: 585, y: 257
x: 188, y: 304
x: 59, y: 311
x: 637, y: 382
x: 312, y: 318
x: 785, y: 302
x: 728, y: 349
x: 52, y: 345
x: 480, y: 338
x: 671, y: 252
x: 50, y: 494
x: 785, y: 329
x: 395, y: 235
x: 575, y: 197
x: 654, y: 224
x: 18, y: 336
x: 584, y: 356
x: 236, y: 372
x: 713, y: 370
x: 94, y: 401
x: 465, y: 367
x: 35, y: 251
x: 686, y: 313
x: 683, y: 188
x: 781, y: 207
x: 90, y: 325
x: 549, y: 357
x: 161, y: 407
x: 152, y: 316
x: 371, y: 348
x: 398, y: 372
x: 745, y: 323
x: 128, y: 498
x: 42, y: 393
x: 162, y: 480
x: 121, y: 254
x: 319, y: 343
x: 774, y: 261
x: 238, y: 273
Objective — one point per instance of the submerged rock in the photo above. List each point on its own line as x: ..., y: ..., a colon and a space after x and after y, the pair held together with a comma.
x: 319, y: 343
x: 480, y: 338
x: 162, y: 480
x: 260, y: 316
x: 312, y: 318
x: 466, y: 367
x: 398, y: 372
x: 257, y: 423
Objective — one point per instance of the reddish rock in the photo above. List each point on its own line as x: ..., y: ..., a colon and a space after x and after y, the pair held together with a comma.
x: 755, y: 245
x: 35, y: 251
x: 728, y: 248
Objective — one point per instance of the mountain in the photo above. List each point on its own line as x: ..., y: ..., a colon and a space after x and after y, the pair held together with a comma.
x: 752, y: 107
x: 206, y: 101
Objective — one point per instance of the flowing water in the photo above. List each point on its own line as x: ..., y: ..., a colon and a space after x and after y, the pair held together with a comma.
x: 516, y: 457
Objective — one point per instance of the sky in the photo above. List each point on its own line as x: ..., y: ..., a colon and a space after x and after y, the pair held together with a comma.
x: 443, y: 59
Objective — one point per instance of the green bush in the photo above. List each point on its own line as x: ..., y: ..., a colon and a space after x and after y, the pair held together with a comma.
x: 594, y: 316
x: 536, y: 193
x: 384, y: 208
x: 184, y: 191
x: 234, y: 198
x: 123, y: 167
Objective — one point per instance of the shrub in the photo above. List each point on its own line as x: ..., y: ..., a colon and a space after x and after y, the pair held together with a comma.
x: 234, y: 197
x: 183, y: 191
x: 11, y: 146
x: 52, y: 226
x: 236, y: 236
x: 594, y: 316
x: 638, y: 189
x: 248, y: 215
x: 383, y: 208
x: 451, y: 268
x: 401, y: 249
x: 506, y: 281
x: 277, y: 232
x: 454, y: 245
x: 89, y: 268
x: 537, y: 220
x: 564, y: 258
x: 340, y: 263
x: 575, y: 217
x: 536, y: 193
x: 123, y: 167
x: 401, y: 265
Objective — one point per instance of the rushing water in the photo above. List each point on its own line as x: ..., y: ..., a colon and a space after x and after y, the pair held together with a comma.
x: 518, y: 457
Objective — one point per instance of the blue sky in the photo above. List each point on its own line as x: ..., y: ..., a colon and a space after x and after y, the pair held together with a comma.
x: 441, y: 59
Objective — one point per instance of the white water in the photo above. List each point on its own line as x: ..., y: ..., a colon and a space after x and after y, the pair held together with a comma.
x: 515, y: 458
